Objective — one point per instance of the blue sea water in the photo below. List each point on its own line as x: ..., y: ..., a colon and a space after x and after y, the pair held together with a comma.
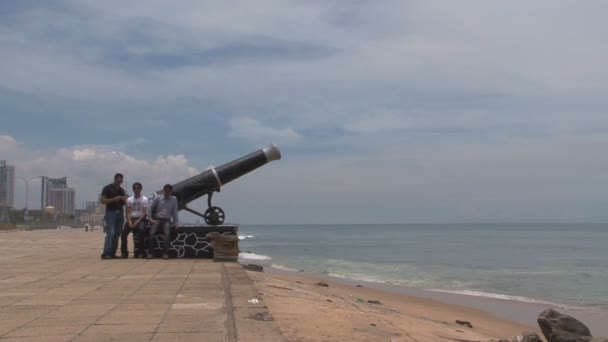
x: 563, y: 264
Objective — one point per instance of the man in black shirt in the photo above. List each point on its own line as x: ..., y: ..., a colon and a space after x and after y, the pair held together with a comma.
x: 113, y: 196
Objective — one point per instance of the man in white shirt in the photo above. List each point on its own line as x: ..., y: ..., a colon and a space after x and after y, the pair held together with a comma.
x: 137, y: 211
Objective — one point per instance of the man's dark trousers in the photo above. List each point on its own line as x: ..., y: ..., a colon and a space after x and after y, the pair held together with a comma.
x: 138, y: 238
x: 165, y: 226
x: 114, y: 221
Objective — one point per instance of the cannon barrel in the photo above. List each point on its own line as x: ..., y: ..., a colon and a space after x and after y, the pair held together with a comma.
x: 214, y: 178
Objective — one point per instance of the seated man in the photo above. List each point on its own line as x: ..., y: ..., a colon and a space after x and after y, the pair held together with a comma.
x: 163, y: 209
x: 137, y: 207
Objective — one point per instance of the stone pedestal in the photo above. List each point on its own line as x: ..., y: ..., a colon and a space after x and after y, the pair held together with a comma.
x: 225, y: 247
x: 193, y: 241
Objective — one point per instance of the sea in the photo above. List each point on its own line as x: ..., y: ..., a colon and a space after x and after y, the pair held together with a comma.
x: 565, y: 265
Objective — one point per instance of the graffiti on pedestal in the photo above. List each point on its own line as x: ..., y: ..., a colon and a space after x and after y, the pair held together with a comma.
x: 191, y: 242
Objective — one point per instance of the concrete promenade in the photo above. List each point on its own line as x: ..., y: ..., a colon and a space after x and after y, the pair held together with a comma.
x: 55, y: 287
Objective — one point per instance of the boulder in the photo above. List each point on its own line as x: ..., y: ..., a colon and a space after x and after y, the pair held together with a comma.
x: 254, y: 267
x: 558, y: 327
x: 322, y: 284
x: 465, y: 323
x: 528, y: 337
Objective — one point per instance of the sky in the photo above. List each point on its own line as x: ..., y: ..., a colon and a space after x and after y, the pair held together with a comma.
x: 384, y: 111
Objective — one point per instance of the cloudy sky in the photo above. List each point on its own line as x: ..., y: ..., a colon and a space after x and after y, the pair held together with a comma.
x: 385, y: 111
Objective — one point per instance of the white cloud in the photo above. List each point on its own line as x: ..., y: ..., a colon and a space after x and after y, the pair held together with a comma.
x: 252, y: 130
x: 421, y: 47
x: 434, y: 96
x: 90, y: 167
x: 516, y: 180
x: 422, y: 66
x: 7, y: 144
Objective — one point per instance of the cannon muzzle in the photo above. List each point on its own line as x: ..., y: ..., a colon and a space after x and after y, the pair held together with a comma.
x: 214, y: 178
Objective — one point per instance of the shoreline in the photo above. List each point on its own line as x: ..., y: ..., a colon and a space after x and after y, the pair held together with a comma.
x: 512, y: 311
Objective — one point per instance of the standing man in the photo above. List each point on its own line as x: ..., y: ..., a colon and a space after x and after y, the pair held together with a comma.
x: 163, y: 209
x: 137, y: 207
x: 113, y: 196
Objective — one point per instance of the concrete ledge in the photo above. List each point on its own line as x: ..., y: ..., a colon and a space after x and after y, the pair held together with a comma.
x: 251, y: 318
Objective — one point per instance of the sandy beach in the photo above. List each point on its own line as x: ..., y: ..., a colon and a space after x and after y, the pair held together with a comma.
x: 343, y: 312
x: 441, y: 273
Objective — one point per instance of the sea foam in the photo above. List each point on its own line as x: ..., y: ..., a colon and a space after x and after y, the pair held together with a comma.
x: 503, y: 297
x: 283, y: 268
x: 253, y: 256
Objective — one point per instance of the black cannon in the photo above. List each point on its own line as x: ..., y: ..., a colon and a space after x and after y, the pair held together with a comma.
x: 212, y: 179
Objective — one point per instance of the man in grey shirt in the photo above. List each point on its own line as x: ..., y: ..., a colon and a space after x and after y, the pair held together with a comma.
x: 163, y: 209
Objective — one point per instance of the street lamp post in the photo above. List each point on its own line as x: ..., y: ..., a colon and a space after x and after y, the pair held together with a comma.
x: 27, y: 184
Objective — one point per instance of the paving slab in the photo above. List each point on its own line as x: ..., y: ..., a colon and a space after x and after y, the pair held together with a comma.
x: 55, y: 287
x: 56, y: 330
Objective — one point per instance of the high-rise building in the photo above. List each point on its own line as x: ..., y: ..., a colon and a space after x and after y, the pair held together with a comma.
x: 49, y: 184
x: 7, y: 185
x: 63, y: 199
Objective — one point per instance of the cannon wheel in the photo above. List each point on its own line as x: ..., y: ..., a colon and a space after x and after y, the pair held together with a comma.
x: 214, y: 216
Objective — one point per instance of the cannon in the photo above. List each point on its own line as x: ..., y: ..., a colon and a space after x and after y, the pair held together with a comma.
x: 214, y: 178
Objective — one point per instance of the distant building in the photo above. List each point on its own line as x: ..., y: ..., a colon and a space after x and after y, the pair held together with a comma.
x: 81, y: 215
x: 63, y: 199
x: 49, y: 184
x: 94, y: 213
x: 94, y: 208
x: 7, y: 185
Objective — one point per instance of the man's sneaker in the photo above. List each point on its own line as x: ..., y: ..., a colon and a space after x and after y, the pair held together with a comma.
x: 106, y: 257
x: 124, y: 256
x: 136, y: 256
x: 149, y: 256
x: 165, y: 256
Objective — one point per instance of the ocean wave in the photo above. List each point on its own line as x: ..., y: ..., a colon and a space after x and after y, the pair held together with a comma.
x: 599, y: 307
x: 504, y: 297
x: 365, y: 278
x: 283, y: 268
x: 253, y: 256
x: 511, y: 272
x: 377, y: 278
x: 243, y: 237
